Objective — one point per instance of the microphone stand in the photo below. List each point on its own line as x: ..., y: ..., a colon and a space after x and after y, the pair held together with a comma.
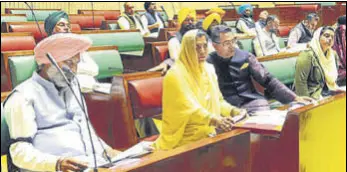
x: 37, y: 23
x: 80, y: 105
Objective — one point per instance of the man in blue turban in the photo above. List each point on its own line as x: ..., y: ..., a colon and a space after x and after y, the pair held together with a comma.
x: 246, y: 24
x: 57, y: 22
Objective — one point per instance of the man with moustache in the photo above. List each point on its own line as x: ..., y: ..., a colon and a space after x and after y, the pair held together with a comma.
x: 130, y: 20
x: 235, y: 68
x: 152, y: 19
x: 47, y: 127
x: 246, y: 24
x: 187, y: 21
x: 267, y: 43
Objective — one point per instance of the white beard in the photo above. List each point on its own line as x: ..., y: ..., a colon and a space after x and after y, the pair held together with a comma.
x: 57, y: 79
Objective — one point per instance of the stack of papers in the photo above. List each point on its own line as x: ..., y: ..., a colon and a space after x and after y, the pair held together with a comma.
x: 136, y: 151
x: 269, y: 117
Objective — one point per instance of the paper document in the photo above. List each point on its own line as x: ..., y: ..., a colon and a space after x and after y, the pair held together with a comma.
x: 136, y: 151
x: 269, y: 117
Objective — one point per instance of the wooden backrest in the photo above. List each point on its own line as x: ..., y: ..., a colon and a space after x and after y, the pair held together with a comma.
x: 87, y: 21
x: 108, y: 14
x: 224, y: 153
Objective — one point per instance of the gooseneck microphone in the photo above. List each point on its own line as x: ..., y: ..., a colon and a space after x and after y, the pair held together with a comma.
x: 55, y: 64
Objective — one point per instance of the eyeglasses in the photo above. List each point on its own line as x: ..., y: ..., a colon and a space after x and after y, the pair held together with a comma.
x: 228, y: 43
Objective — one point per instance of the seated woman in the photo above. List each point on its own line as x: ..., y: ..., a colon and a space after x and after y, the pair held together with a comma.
x: 192, y: 103
x: 316, y: 68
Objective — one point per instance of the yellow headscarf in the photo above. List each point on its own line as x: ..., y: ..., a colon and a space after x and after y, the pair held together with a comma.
x: 327, y: 62
x: 184, y: 13
x: 191, y: 96
x: 209, y: 19
x: 217, y: 10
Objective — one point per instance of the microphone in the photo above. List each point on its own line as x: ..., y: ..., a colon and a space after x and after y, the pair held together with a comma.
x: 37, y: 23
x: 55, y: 64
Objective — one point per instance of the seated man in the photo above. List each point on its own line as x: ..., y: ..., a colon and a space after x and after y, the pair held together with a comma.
x: 246, y: 24
x: 152, y: 19
x: 303, y: 32
x: 129, y: 20
x: 58, y: 22
x: 198, y: 106
x: 266, y: 43
x: 261, y: 23
x: 47, y: 126
x: 235, y: 68
x: 186, y: 21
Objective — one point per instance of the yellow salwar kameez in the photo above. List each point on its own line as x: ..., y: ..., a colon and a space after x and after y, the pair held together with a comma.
x: 191, y: 97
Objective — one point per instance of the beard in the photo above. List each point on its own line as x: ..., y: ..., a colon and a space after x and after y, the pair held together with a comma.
x: 187, y: 28
x: 57, y: 79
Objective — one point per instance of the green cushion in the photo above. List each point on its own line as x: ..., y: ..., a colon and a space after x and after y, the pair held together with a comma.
x: 247, y: 45
x: 134, y: 53
x: 282, y: 42
x: 126, y: 41
x: 109, y: 62
x: 5, y: 135
x: 113, y: 26
x: 40, y: 15
x: 21, y: 68
x: 13, y: 19
x: 282, y: 69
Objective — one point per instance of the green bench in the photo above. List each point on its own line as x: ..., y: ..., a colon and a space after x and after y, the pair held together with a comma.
x: 107, y: 58
x: 41, y: 14
x: 247, y: 44
x: 130, y: 44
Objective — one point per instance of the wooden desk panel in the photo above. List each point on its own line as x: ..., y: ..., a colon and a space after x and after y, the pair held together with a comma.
x: 228, y: 152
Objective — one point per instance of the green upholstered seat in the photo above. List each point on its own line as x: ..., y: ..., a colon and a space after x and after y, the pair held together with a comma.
x: 282, y: 42
x: 40, y: 15
x: 246, y: 45
x: 21, y: 68
x: 125, y: 41
x: 282, y: 69
x: 109, y: 62
x: 13, y: 19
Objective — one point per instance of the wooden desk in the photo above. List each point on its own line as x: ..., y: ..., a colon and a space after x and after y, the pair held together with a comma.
x: 162, y: 36
x: 223, y: 153
x: 313, y: 138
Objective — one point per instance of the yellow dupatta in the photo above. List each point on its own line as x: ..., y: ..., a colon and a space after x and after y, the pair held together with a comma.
x: 327, y: 62
x: 191, y: 96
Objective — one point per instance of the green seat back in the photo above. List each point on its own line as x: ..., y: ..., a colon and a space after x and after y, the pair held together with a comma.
x: 282, y: 42
x: 282, y: 69
x: 21, y: 68
x: 13, y: 19
x: 40, y: 15
x: 246, y: 45
x: 109, y: 62
x: 5, y: 135
x: 125, y: 41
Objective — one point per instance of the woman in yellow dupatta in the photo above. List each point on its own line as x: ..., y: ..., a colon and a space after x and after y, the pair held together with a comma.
x: 192, y: 103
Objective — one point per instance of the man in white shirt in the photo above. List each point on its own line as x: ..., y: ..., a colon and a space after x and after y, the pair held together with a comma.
x: 303, y: 32
x: 129, y: 20
x: 58, y: 22
x: 246, y: 24
x: 261, y: 23
x: 151, y: 18
x: 266, y: 43
x: 47, y: 126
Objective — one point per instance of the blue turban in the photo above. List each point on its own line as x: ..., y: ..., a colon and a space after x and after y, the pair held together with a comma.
x: 53, y: 19
x: 244, y: 7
